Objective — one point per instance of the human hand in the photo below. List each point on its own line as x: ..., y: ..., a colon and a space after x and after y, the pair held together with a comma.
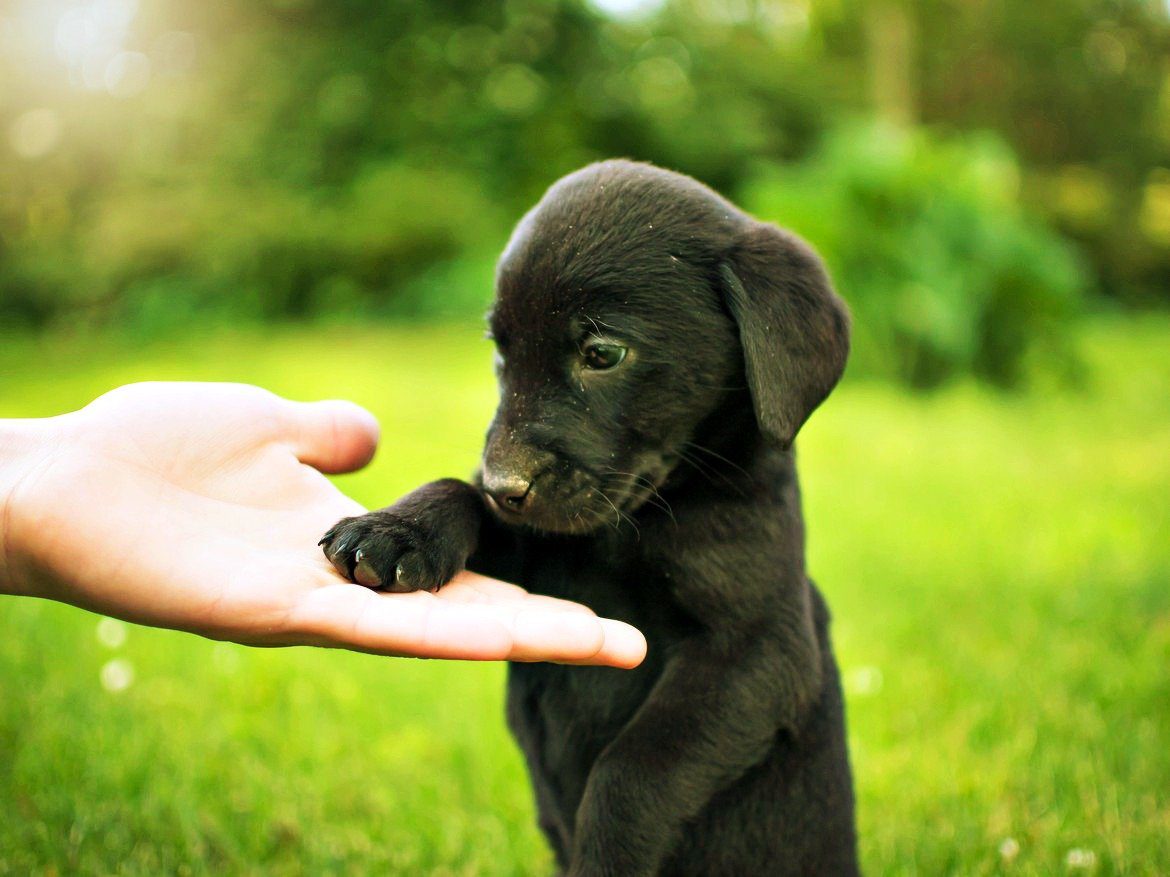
x: 198, y: 507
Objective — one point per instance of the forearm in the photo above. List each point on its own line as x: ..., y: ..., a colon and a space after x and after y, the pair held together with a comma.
x: 25, y: 448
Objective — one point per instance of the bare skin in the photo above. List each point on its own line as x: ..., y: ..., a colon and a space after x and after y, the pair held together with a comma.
x: 198, y: 507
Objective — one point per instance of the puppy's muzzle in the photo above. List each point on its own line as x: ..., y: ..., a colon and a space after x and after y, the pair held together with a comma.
x: 510, y: 471
x: 510, y: 491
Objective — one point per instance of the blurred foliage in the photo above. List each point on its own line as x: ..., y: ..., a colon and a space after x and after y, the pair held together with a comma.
x: 943, y: 273
x: 166, y: 161
x: 1082, y: 91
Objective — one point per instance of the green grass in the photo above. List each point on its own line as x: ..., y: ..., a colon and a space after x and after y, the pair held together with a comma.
x: 998, y: 566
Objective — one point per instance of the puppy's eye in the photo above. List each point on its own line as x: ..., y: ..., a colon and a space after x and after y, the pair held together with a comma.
x: 601, y: 357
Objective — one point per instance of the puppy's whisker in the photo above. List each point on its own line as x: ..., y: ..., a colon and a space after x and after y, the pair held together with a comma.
x: 621, y: 516
x: 662, y: 505
x: 704, y: 468
x: 718, y: 456
x: 654, y: 497
x: 710, y: 472
x: 634, y: 524
x: 597, y: 324
x: 605, y: 496
x: 600, y: 513
x: 630, y: 479
x: 597, y: 321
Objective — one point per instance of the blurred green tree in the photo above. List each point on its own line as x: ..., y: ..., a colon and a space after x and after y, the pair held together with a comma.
x: 166, y: 160
x: 926, y: 239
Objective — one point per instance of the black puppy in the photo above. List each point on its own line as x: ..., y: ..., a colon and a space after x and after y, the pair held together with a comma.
x: 658, y: 351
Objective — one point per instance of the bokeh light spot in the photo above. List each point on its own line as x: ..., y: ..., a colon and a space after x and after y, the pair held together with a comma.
x: 661, y: 82
x: 1080, y: 859
x: 35, y: 133
x: 1155, y: 211
x: 472, y: 48
x: 117, y: 675
x: 863, y: 681
x: 225, y: 658
x: 127, y: 74
x: 111, y: 633
x: 1106, y: 53
x: 514, y: 89
x: 1009, y: 848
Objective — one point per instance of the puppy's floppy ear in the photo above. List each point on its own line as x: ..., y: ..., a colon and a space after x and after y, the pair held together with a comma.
x: 793, y: 327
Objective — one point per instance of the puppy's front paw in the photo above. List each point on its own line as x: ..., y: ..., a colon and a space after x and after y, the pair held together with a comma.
x: 383, y: 551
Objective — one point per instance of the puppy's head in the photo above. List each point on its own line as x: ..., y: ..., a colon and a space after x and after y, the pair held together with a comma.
x: 630, y: 302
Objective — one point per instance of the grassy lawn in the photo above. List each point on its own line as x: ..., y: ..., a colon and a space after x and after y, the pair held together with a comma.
x: 998, y: 566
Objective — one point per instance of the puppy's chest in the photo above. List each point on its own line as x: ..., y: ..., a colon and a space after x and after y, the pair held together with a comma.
x: 615, y: 580
x: 594, y: 703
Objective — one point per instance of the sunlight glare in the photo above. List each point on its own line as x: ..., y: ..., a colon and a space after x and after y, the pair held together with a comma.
x: 90, y: 39
x: 627, y: 8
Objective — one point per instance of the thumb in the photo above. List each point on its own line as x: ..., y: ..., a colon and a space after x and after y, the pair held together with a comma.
x: 333, y: 436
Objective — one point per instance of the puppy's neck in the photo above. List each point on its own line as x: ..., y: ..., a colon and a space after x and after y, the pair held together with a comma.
x: 728, y: 456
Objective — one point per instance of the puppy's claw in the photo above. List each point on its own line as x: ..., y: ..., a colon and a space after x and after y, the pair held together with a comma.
x: 363, y: 572
x: 382, y: 552
x: 331, y: 533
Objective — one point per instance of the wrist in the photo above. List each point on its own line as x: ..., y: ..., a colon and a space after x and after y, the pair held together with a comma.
x: 25, y: 449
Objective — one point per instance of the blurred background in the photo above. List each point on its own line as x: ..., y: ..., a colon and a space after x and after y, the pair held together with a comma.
x: 311, y: 195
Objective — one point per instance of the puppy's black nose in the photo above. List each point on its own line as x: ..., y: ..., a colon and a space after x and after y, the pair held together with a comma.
x: 511, y: 492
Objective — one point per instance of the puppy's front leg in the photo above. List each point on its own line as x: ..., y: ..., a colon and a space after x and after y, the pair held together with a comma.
x: 713, y: 714
x: 418, y: 543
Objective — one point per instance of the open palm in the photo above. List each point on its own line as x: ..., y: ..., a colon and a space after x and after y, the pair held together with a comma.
x: 199, y: 507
